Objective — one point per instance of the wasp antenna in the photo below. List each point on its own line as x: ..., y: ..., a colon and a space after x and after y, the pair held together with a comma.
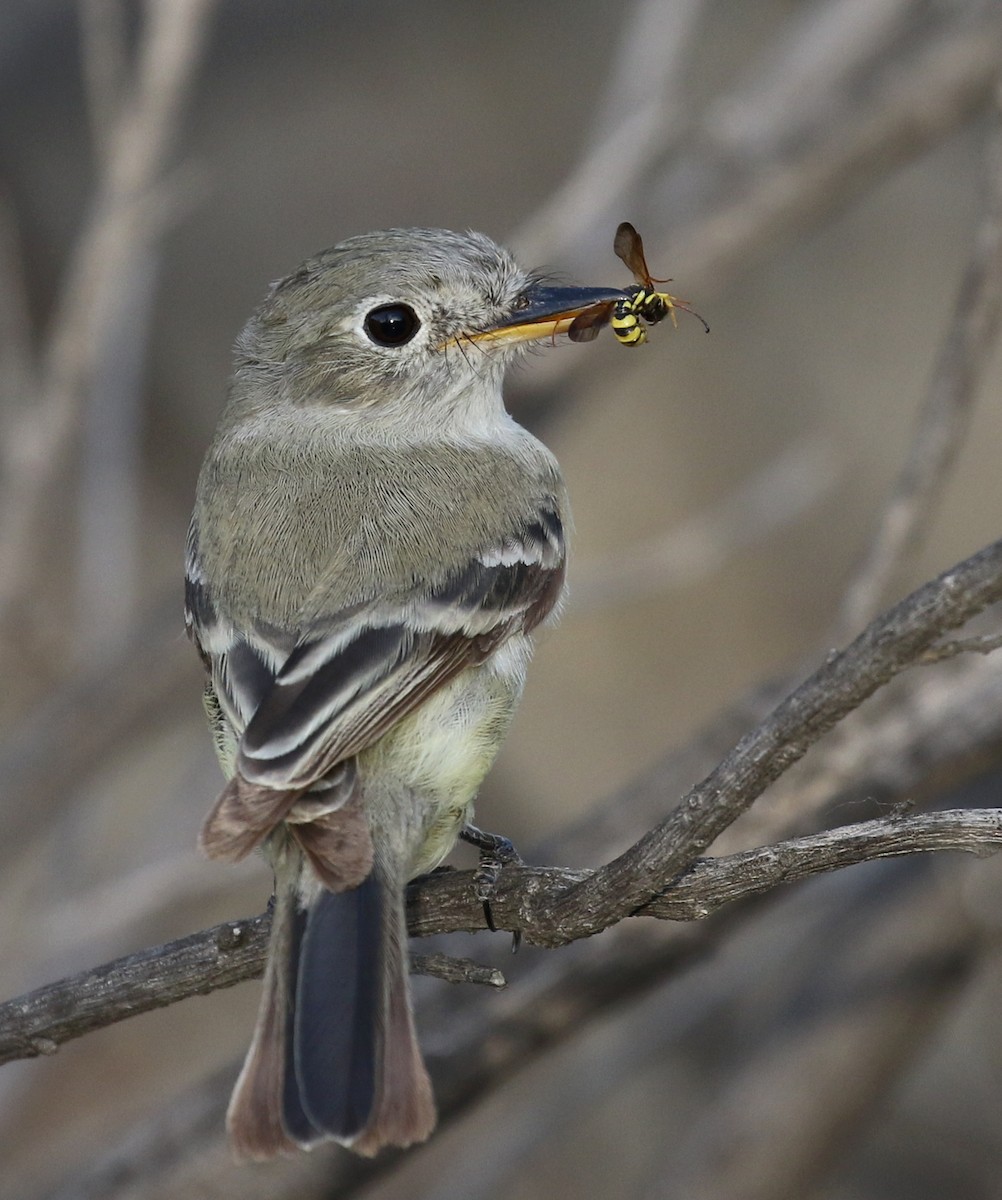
x: 692, y: 313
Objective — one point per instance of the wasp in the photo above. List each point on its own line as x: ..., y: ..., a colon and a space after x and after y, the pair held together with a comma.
x: 642, y: 305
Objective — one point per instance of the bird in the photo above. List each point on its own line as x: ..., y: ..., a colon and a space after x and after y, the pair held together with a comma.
x: 374, y: 542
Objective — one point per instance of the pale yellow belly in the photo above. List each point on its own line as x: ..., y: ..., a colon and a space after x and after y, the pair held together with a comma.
x: 440, y: 755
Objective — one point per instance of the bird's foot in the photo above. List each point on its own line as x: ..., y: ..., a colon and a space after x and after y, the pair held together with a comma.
x: 496, y: 852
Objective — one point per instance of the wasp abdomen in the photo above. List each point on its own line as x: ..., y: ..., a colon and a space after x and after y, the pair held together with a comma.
x: 626, y: 322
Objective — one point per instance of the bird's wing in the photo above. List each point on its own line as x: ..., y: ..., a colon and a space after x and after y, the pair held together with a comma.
x: 306, y: 711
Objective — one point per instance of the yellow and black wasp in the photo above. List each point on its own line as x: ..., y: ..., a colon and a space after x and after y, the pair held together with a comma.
x: 640, y: 306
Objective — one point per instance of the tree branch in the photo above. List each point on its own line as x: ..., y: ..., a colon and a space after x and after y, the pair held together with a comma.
x: 234, y: 951
x: 695, y: 548
x: 888, y: 645
x: 984, y: 644
x: 125, y: 216
x: 945, y: 414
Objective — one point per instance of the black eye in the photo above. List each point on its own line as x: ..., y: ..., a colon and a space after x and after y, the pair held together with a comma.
x: 392, y: 324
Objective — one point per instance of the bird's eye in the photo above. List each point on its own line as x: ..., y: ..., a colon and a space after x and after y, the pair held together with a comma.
x: 392, y: 324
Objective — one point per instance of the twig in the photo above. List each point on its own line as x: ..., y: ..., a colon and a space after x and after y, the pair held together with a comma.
x: 41, y: 1021
x: 870, y: 977
x: 105, y: 60
x: 889, y: 644
x: 17, y: 377
x: 805, y: 169
x: 457, y: 970
x: 945, y: 414
x: 776, y: 496
x: 122, y: 222
x: 638, y: 122
x: 984, y: 644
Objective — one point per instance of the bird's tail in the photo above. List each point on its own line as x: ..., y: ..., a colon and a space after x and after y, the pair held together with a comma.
x: 335, y: 1054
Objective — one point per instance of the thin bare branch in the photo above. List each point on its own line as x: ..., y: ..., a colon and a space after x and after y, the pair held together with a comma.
x: 984, y: 644
x: 17, y: 377
x: 446, y: 903
x: 120, y: 226
x: 457, y: 970
x: 640, y: 118
x: 889, y: 644
x: 945, y: 414
x: 105, y: 68
x: 796, y: 479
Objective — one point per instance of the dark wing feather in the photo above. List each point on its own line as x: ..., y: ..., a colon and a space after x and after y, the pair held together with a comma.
x: 345, y: 684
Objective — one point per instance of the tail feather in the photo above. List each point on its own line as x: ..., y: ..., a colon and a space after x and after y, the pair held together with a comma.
x: 335, y: 1053
x: 404, y: 1112
x: 335, y: 1043
x: 292, y: 1115
x: 255, y: 1115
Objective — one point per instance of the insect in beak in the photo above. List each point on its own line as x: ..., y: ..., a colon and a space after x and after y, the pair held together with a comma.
x: 643, y: 303
x: 543, y: 312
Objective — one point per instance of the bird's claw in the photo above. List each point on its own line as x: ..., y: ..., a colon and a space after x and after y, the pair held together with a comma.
x: 496, y: 852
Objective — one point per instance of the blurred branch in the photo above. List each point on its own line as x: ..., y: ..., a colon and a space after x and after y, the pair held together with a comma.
x: 775, y: 497
x: 149, y: 677
x: 898, y: 80
x: 851, y: 91
x: 17, y: 379
x: 870, y: 981
x: 945, y: 414
x: 105, y: 67
x: 639, y: 120
x: 883, y: 108
x: 649, y: 64
x: 127, y: 214
x: 811, y: 64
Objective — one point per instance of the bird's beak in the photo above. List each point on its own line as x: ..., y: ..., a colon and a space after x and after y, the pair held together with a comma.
x: 545, y: 311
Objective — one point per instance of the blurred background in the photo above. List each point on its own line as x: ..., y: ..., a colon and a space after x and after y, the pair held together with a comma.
x: 812, y: 175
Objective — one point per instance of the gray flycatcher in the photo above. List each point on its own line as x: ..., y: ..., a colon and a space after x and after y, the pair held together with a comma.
x: 373, y: 543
